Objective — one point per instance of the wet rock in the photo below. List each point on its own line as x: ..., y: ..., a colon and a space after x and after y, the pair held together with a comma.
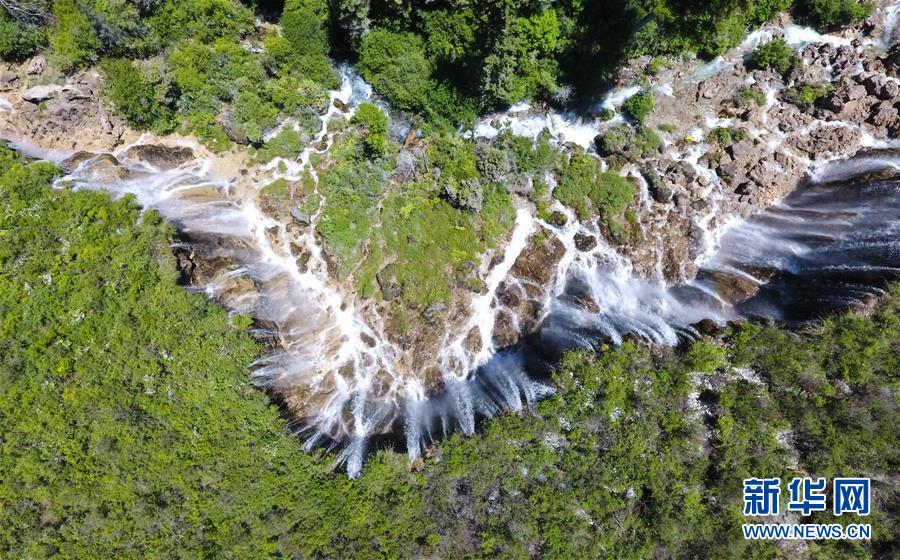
x: 159, y: 156
x: 69, y: 164
x: 558, y: 219
x: 38, y: 94
x: 106, y: 167
x: 301, y: 218
x: 340, y: 105
x: 505, y: 333
x: 36, y: 66
x: 387, y: 282
x: 730, y: 287
x: 659, y: 191
x: 707, y: 327
x: 472, y: 342
x: 434, y: 312
x: 537, y: 262
x: 884, y: 114
x: 585, y: 242
x: 509, y: 295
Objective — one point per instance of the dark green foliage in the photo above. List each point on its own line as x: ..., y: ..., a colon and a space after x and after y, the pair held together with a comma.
x: 73, y: 39
x: 375, y: 126
x: 286, y: 144
x: 776, y: 55
x: 17, y: 41
x: 832, y: 14
x: 806, y: 94
x: 136, y: 96
x: 395, y: 64
x: 304, y: 25
x: 639, y: 106
x: 128, y: 422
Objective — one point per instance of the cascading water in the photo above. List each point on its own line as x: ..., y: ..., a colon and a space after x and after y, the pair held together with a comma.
x: 831, y: 245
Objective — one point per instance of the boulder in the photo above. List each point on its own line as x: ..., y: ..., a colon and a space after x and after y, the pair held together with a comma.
x: 159, y: 156
x: 585, y: 242
x: 38, y: 94
x: 8, y: 81
x: 387, y: 281
x: 302, y: 218
x: 537, y: 263
x: 36, y: 66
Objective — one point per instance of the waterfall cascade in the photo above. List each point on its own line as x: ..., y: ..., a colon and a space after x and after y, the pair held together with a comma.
x: 831, y: 245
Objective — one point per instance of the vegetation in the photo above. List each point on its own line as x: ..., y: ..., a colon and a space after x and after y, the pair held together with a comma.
x: 775, y: 55
x: 749, y: 96
x: 375, y: 124
x: 17, y: 41
x: 590, y: 191
x: 806, y: 94
x: 639, y: 106
x: 832, y: 14
x: 630, y: 143
x: 724, y: 136
x: 167, y: 451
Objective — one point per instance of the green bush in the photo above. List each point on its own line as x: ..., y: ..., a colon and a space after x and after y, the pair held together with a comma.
x: 375, y: 126
x: 639, y: 106
x: 807, y: 94
x: 627, y: 142
x: 304, y: 24
x: 749, y: 95
x: 18, y: 42
x: 587, y: 190
x: 136, y: 97
x: 286, y: 144
x: 725, y: 136
x: 396, y: 66
x: 832, y: 14
x: 74, y: 42
x: 776, y: 55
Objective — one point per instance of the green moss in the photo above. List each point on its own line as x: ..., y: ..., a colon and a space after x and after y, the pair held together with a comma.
x: 375, y: 129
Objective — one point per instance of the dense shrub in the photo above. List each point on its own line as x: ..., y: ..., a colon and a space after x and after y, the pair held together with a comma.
x: 18, y: 42
x: 807, y: 94
x: 136, y: 97
x: 304, y: 25
x: 628, y: 142
x: 74, y: 42
x: 587, y: 190
x: 395, y: 65
x: 639, y: 106
x: 749, y: 95
x: 375, y: 125
x: 776, y: 55
x: 831, y: 14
